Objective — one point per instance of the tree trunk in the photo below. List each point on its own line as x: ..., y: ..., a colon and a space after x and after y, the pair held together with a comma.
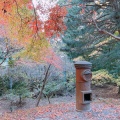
x: 48, y: 97
x: 44, y: 82
x: 20, y: 100
x: 118, y: 89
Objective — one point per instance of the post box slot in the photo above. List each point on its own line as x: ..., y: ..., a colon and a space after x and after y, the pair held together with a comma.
x: 87, y: 97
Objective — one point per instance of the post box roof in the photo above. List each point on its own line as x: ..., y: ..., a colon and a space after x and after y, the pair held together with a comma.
x: 83, y: 64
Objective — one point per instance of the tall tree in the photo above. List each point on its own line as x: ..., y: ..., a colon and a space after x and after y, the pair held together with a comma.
x: 93, y: 32
x: 89, y: 23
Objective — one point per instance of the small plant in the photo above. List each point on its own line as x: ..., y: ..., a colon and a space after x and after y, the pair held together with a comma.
x: 4, y: 84
x: 54, y: 88
x: 20, y: 89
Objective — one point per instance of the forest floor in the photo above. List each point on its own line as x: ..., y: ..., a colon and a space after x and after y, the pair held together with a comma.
x: 105, y: 106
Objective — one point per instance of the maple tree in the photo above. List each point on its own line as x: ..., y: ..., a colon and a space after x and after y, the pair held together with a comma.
x: 14, y: 16
x: 21, y: 24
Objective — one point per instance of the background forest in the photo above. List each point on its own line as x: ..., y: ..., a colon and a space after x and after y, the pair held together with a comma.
x: 41, y: 41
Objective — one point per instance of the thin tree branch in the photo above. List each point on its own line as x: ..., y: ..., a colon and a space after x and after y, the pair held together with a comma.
x: 43, y: 86
x: 36, y: 22
x: 5, y: 57
x: 105, y: 32
x: 19, y: 15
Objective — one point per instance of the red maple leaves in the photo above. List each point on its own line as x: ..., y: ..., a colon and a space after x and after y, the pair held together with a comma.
x: 55, y: 24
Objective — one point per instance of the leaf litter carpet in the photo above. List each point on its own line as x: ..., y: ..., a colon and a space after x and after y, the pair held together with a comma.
x: 100, y: 110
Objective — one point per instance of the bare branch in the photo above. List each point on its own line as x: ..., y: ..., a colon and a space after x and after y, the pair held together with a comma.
x: 43, y: 86
x: 36, y: 22
x: 5, y: 57
x: 9, y: 51
x: 105, y: 32
x: 19, y: 14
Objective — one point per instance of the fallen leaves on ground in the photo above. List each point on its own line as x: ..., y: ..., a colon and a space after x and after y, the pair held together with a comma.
x: 100, y: 110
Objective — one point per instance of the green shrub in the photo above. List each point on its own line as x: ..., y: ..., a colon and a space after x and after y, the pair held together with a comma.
x: 118, y: 81
x: 21, y: 89
x: 70, y: 85
x: 4, y: 84
x: 54, y: 88
x: 102, y: 77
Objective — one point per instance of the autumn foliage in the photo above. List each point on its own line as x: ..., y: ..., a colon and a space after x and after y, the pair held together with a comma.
x: 19, y: 20
x: 55, y: 25
x: 15, y: 17
x: 20, y: 23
